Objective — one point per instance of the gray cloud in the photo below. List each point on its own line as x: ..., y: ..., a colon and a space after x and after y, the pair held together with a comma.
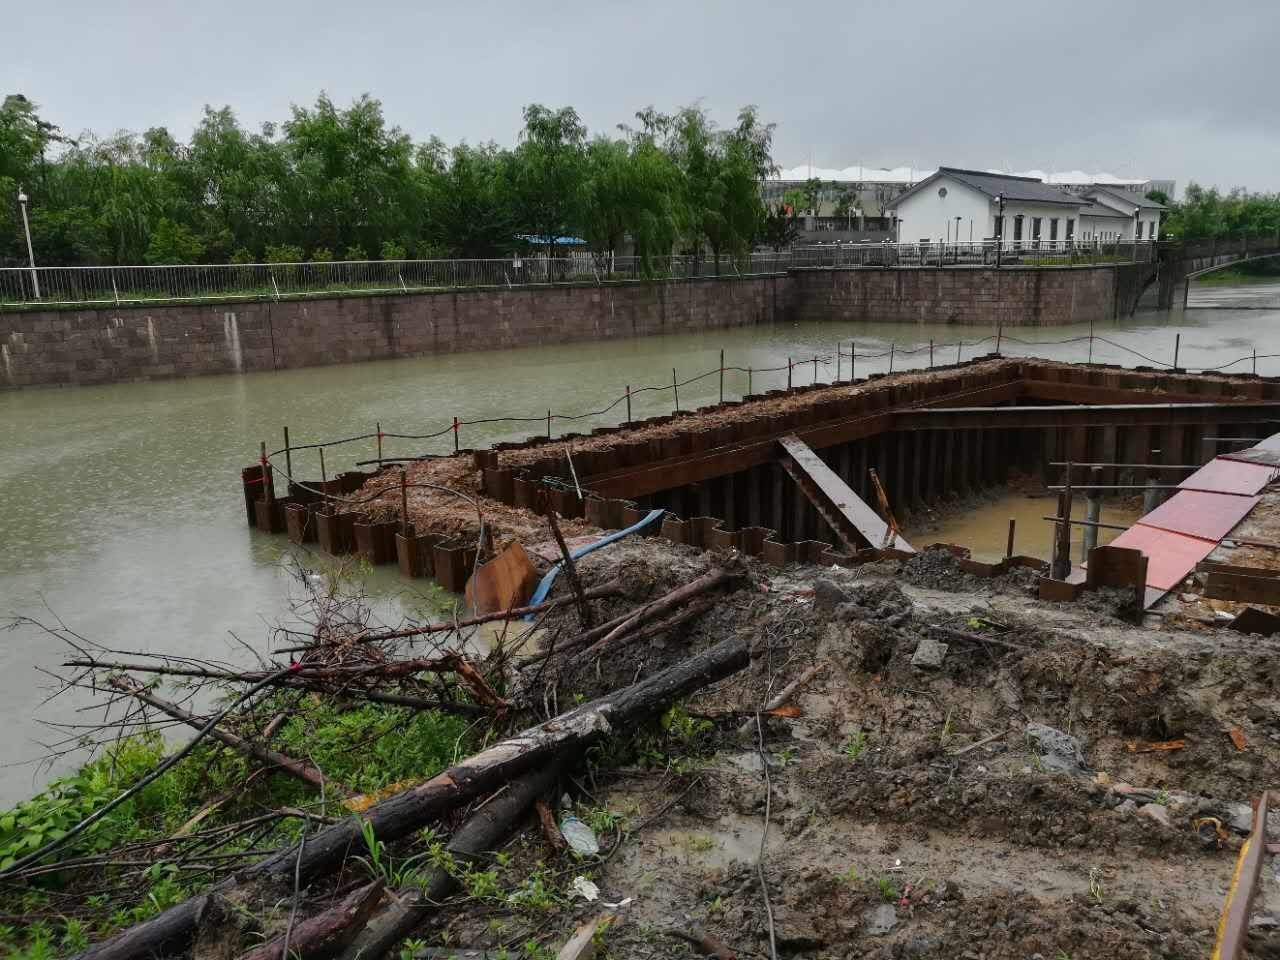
x: 1162, y: 89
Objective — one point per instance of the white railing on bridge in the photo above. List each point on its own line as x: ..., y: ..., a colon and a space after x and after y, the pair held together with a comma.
x: 124, y: 285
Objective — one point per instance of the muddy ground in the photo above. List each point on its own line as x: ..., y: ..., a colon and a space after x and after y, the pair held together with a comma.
x: 888, y: 831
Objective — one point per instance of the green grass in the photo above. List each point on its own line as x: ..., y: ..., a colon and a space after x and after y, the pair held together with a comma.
x: 365, y: 749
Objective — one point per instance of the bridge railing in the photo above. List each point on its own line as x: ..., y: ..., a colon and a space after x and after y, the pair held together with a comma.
x: 24, y: 287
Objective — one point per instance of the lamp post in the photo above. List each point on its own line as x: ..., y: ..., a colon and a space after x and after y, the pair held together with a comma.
x: 26, y: 228
x: 999, y: 227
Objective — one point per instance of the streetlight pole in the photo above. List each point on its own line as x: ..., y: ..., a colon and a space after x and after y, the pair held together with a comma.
x: 26, y: 228
x: 999, y: 228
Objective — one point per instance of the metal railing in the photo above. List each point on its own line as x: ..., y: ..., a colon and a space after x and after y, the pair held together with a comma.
x: 843, y: 362
x: 977, y: 253
x: 126, y: 285
x: 69, y: 286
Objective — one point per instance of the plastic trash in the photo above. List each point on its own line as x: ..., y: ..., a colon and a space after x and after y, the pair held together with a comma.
x: 580, y: 837
x: 584, y: 888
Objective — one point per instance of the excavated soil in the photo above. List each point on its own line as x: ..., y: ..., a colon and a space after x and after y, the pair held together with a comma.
x: 892, y: 832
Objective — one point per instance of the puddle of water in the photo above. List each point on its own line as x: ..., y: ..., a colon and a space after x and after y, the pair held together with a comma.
x: 985, y: 528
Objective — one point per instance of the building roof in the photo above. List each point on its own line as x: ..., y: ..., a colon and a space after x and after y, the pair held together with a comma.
x: 909, y: 175
x: 1013, y: 189
x: 1133, y: 199
x: 1098, y: 211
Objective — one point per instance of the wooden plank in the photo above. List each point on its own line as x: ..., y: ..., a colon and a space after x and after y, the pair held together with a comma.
x: 847, y: 513
x: 1230, y: 586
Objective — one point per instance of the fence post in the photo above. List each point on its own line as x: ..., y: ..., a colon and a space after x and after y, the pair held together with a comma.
x: 288, y: 456
x: 628, y: 403
x: 959, y: 345
x: 722, y: 374
x: 404, y: 505
x: 815, y: 368
x: 1255, y: 361
x: 749, y: 381
x: 675, y: 389
x: 788, y: 373
x: 853, y: 360
x: 999, y: 336
x: 324, y: 477
x: 548, y: 423
x: 1091, y: 339
x: 455, y: 434
x: 931, y: 353
x: 1177, y: 344
x: 1008, y: 550
x: 891, y: 346
x: 267, y: 491
x: 377, y: 425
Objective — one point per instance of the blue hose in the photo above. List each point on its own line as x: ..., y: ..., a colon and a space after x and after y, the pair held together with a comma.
x: 544, y: 586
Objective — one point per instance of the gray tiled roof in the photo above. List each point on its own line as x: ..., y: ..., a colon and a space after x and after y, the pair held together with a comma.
x: 1026, y: 189
x: 1013, y: 189
x: 1098, y: 210
x: 1137, y: 199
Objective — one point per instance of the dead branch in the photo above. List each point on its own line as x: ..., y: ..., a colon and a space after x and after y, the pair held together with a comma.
x: 398, y: 815
x: 159, y: 770
x: 708, y: 581
x: 784, y: 696
x: 444, y: 626
x: 327, y: 932
x: 298, y: 769
x: 481, y: 832
x: 566, y: 559
x: 705, y: 942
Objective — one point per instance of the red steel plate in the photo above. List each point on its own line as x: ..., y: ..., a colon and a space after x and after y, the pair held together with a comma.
x: 1230, y: 476
x: 1170, y: 556
x: 1196, y: 513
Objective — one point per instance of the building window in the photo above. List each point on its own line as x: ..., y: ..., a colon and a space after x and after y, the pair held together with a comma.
x: 1071, y: 228
x: 1151, y: 230
x: 1017, y: 228
x: 1053, y: 229
x: 1035, y: 228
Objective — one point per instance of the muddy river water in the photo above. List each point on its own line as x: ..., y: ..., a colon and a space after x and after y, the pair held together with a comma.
x: 123, y: 517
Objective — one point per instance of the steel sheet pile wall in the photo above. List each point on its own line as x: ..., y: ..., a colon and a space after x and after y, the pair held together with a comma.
x: 727, y: 465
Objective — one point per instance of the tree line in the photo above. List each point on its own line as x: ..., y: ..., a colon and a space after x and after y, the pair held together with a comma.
x: 1203, y: 213
x: 335, y: 183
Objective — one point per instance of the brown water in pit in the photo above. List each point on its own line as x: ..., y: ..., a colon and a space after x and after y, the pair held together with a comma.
x: 123, y: 514
x: 984, y: 528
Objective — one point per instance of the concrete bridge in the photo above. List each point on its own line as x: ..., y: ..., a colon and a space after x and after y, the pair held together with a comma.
x: 1181, y: 263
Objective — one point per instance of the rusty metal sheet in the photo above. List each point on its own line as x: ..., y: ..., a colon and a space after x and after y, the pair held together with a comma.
x: 1170, y: 556
x: 1230, y: 476
x: 1199, y: 513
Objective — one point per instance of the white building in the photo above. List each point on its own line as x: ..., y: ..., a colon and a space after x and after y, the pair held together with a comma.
x: 954, y: 205
x: 1136, y: 209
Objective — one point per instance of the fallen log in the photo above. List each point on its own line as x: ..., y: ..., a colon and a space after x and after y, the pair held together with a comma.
x: 407, y: 811
x: 482, y: 831
x: 325, y: 933
x: 299, y: 769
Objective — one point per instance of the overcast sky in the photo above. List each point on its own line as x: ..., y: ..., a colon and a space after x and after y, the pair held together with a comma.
x: 1167, y: 89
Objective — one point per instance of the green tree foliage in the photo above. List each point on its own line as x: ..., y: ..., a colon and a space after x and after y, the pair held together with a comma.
x: 1203, y: 213
x: 342, y: 181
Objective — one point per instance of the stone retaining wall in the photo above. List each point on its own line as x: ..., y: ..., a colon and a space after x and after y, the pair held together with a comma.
x: 110, y: 345
x: 1012, y: 296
